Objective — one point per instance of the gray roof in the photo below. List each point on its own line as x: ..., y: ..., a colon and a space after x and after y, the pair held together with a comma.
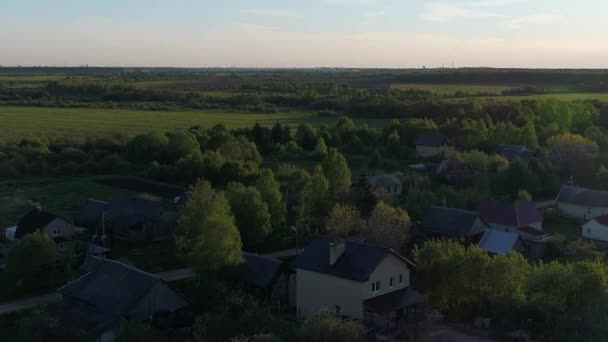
x: 114, y: 289
x: 497, y: 242
x: 510, y: 214
x: 90, y: 213
x: 258, y: 270
x: 434, y: 139
x: 451, y: 221
x: 133, y: 210
x: 512, y: 152
x: 358, y: 261
x: 583, y: 196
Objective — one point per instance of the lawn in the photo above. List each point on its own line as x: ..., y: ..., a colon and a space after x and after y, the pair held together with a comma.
x: 62, y: 196
x: 448, y: 89
x: 19, y: 122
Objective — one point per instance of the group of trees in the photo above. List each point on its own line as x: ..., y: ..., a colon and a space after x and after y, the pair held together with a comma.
x: 555, y: 300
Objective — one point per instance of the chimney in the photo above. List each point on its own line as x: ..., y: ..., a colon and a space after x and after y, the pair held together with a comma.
x: 336, y: 249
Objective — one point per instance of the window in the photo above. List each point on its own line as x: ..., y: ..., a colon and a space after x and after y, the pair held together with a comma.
x: 376, y: 287
x: 391, y: 282
x: 589, y: 230
x: 56, y: 231
x: 61, y: 246
x: 400, y: 279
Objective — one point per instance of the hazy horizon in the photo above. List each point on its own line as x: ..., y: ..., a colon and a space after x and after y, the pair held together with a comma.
x: 313, y: 34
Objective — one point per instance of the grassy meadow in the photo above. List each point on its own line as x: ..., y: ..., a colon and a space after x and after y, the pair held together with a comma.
x: 20, y: 122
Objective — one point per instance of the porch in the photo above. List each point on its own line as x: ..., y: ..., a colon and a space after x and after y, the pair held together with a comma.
x: 394, y: 315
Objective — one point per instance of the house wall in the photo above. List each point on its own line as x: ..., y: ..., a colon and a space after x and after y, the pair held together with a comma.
x: 431, y: 151
x: 595, y: 231
x: 580, y: 212
x: 64, y: 227
x: 317, y: 291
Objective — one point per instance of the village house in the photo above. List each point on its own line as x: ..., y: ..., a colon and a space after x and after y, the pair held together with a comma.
x: 433, y: 145
x: 360, y: 280
x: 456, y: 172
x: 582, y: 204
x: 267, y: 278
x: 596, y: 229
x: 509, y: 217
x: 512, y: 152
x: 110, y: 291
x: 37, y: 220
x: 446, y: 223
x: 386, y: 185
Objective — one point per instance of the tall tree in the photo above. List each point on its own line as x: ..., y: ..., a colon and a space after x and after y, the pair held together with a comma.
x: 361, y: 196
x: 344, y: 220
x: 271, y: 194
x: 251, y: 213
x: 337, y: 173
x: 315, y: 198
x: 207, y: 235
x: 388, y: 226
x: 31, y: 261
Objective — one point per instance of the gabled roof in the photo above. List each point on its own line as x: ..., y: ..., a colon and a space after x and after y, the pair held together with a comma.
x: 33, y: 221
x: 497, y: 242
x: 133, y: 210
x: 258, y: 270
x: 358, y: 261
x: 515, y: 214
x: 582, y: 196
x: 451, y: 221
x: 434, y: 139
x: 115, y: 289
x: 90, y: 212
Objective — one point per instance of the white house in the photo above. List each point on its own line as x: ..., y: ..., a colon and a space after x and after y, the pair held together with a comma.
x: 582, y: 204
x: 596, y: 229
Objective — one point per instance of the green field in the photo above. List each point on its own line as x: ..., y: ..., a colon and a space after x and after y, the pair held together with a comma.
x: 562, y: 97
x: 62, y: 196
x: 448, y: 89
x: 20, y: 122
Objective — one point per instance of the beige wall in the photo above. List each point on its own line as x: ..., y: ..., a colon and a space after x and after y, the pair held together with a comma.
x: 317, y: 291
x: 594, y: 230
x: 580, y: 212
x: 64, y: 227
x: 430, y: 151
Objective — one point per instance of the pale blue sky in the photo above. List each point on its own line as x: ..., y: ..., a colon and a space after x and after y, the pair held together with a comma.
x: 306, y: 33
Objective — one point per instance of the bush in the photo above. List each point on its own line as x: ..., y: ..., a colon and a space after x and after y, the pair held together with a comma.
x: 329, y: 326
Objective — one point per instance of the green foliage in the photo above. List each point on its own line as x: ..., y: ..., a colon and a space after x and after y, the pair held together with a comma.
x: 344, y: 220
x: 321, y: 147
x: 388, y: 226
x: 328, y: 326
x: 251, y: 213
x: 31, y: 262
x: 271, y: 194
x: 523, y: 196
x: 316, y: 200
x: 361, y: 196
x: 207, y: 235
x: 337, y: 173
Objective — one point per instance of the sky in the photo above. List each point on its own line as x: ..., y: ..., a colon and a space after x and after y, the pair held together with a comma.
x: 305, y: 33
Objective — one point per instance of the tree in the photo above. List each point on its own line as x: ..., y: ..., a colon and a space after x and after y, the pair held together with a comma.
x: 321, y: 148
x: 337, y: 173
x: 147, y: 147
x: 306, y: 136
x: 344, y: 220
x: 250, y: 212
x: 388, y: 226
x: 523, y: 197
x: 206, y: 234
x: 361, y: 196
x: 329, y: 326
x: 315, y: 198
x: 271, y: 194
x: 568, y: 152
x: 135, y: 330
x: 32, y: 260
x: 241, y: 150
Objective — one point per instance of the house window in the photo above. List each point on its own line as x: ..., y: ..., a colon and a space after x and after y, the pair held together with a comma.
x: 589, y: 230
x: 56, y: 231
x: 400, y: 279
x: 376, y: 287
x: 391, y: 282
